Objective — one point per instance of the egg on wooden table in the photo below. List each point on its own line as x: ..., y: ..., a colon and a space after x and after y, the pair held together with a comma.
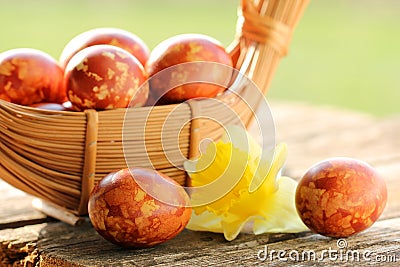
x: 29, y: 76
x: 167, y: 69
x: 137, y: 207
x: 105, y: 77
x: 339, y: 197
x: 109, y: 36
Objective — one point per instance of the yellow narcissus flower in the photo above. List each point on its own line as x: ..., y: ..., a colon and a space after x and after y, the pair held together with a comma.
x: 221, y: 197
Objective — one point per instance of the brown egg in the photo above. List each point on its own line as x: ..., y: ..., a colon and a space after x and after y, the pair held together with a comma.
x: 29, y: 76
x: 187, y: 81
x: 339, y: 197
x: 105, y: 77
x: 110, y: 36
x: 138, y: 207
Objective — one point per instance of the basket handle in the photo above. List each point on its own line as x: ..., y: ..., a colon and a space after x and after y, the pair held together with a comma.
x: 89, y: 167
x: 263, y: 33
x: 254, y: 26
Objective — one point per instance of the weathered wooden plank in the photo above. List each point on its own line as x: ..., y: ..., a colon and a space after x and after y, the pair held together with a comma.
x: 18, y: 246
x: 59, y: 244
x: 16, y: 208
x: 379, y: 243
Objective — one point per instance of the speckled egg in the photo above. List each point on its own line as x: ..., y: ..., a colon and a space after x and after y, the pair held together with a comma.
x: 110, y: 36
x: 175, y: 81
x: 138, y: 208
x: 105, y: 77
x: 339, y: 197
x: 29, y: 76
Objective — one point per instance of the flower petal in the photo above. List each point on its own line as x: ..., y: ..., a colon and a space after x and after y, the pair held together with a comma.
x: 223, y: 179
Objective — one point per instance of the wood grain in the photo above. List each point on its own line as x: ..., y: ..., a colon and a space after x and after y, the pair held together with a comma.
x: 16, y: 209
x: 60, y: 244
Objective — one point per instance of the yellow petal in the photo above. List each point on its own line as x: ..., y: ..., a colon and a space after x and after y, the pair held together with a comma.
x: 222, y: 189
x: 214, y: 182
x: 241, y: 139
x: 280, y: 216
x: 205, y: 221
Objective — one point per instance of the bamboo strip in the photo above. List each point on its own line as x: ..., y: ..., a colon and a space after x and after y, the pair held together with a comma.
x: 42, y: 189
x: 58, y: 212
x: 28, y: 166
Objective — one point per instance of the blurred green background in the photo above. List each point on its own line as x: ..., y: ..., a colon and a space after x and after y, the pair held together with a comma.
x: 344, y: 52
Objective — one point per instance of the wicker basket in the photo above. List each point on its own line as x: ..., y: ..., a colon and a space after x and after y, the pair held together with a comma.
x: 58, y: 156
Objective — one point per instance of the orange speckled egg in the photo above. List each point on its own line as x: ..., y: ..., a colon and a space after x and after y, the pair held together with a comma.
x: 29, y: 76
x: 105, y: 77
x: 185, y: 48
x: 138, y: 207
x: 339, y: 197
x: 110, y: 36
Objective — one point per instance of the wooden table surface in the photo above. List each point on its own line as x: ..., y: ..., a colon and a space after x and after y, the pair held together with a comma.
x: 29, y: 238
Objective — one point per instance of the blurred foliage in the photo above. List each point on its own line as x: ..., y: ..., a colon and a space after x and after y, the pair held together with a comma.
x: 343, y: 53
x: 49, y: 25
